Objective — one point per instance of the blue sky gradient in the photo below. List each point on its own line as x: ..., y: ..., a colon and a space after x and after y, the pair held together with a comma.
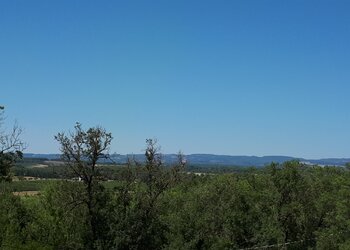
x: 223, y: 77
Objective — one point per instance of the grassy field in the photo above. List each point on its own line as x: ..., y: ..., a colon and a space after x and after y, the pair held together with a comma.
x: 39, y: 185
x: 35, y: 185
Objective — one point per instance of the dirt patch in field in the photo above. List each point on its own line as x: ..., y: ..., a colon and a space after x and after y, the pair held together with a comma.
x: 26, y: 193
x: 39, y: 166
x: 54, y: 163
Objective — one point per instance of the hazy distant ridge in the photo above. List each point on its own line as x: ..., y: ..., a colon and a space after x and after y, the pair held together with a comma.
x: 211, y: 159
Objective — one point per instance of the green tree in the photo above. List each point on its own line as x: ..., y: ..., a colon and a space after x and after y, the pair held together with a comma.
x: 58, y: 220
x: 81, y: 151
x: 299, y: 215
x: 223, y: 211
x: 15, y: 221
x: 347, y: 165
x: 335, y: 201
x: 139, y: 212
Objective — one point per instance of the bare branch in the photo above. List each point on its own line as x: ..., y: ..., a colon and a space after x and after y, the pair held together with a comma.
x: 11, y: 147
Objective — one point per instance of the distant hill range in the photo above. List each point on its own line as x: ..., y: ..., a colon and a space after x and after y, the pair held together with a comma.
x: 210, y: 159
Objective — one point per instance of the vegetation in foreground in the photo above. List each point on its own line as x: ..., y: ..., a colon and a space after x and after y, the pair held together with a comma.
x: 150, y: 206
x: 286, y: 205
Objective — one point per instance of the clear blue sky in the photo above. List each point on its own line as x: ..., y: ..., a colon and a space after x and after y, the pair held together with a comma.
x: 224, y: 77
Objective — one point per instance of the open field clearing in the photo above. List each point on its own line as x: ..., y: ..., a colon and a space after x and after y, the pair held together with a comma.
x: 39, y: 166
x: 31, y: 185
x: 23, y: 186
x: 27, y: 193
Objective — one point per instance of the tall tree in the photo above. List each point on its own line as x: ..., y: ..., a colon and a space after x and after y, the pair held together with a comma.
x: 11, y: 147
x: 81, y: 150
x: 146, y: 229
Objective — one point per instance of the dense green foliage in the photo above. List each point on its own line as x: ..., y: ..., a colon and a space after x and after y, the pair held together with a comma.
x: 153, y: 206
x: 288, y: 205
